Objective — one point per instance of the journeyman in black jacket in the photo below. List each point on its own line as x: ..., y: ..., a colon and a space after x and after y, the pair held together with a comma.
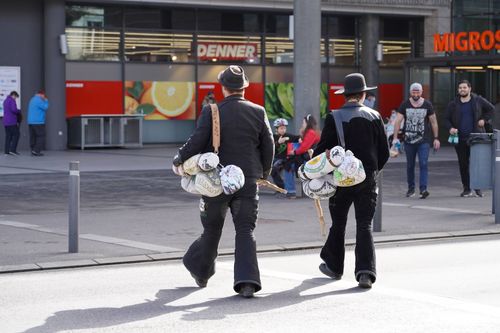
x: 365, y: 136
x: 467, y: 113
x: 247, y: 142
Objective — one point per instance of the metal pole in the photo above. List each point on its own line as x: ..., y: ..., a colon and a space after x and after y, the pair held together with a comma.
x: 493, y: 172
x: 496, y: 180
x: 74, y: 205
x: 377, y: 219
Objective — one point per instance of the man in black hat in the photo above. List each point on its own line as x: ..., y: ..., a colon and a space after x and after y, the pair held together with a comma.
x: 364, y: 135
x: 246, y: 140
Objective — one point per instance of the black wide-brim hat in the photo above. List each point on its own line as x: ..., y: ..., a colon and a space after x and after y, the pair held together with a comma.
x: 354, y: 83
x: 233, y: 77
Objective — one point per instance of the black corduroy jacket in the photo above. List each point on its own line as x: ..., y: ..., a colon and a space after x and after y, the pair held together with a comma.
x: 246, y: 137
x: 481, y: 108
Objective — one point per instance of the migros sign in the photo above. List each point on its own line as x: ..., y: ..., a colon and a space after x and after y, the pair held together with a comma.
x: 467, y: 41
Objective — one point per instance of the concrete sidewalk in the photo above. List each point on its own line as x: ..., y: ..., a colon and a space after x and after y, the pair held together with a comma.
x: 134, y: 210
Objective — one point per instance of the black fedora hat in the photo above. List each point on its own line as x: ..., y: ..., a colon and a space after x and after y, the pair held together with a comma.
x: 354, y: 83
x: 233, y: 77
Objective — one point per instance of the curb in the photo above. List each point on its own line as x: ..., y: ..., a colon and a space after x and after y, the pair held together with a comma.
x: 171, y: 256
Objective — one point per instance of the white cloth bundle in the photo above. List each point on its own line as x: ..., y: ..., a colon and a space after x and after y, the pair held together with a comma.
x: 208, y: 183
x: 232, y: 179
x: 319, y: 188
x: 188, y: 184
x: 322, y: 164
x: 350, y: 172
x: 200, y: 162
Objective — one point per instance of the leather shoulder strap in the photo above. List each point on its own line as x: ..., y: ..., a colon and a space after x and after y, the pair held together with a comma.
x: 215, y: 128
x: 338, y: 125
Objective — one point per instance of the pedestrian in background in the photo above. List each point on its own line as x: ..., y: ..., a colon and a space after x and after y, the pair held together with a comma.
x: 370, y: 100
x: 420, y: 130
x: 365, y: 136
x: 281, y: 139
x: 309, y: 138
x: 496, y: 118
x: 247, y: 142
x: 11, y: 121
x: 467, y: 113
x: 37, y: 110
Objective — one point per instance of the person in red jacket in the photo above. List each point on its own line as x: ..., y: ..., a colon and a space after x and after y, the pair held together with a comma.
x: 310, y: 137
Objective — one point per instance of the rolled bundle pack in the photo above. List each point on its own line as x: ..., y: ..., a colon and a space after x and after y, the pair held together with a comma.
x: 205, y: 176
x: 347, y: 171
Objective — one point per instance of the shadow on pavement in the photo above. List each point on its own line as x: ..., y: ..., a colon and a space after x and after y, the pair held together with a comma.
x: 214, y: 309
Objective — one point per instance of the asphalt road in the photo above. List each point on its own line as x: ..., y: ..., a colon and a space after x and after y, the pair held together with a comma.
x: 126, y: 213
x: 421, y: 287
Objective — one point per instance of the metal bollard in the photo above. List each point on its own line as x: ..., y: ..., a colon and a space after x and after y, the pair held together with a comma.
x: 377, y: 219
x: 74, y: 205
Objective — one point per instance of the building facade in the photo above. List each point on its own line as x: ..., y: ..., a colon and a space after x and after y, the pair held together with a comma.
x: 161, y: 58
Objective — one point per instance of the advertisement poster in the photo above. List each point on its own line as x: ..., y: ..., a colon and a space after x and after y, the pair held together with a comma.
x: 211, y: 92
x: 160, y: 100
x: 279, y: 100
x: 93, y: 97
x: 10, y: 80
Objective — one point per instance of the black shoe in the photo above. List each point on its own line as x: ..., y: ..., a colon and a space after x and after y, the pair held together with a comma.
x: 479, y: 193
x: 34, y: 153
x: 202, y: 283
x: 467, y: 194
x: 410, y: 193
x: 365, y: 281
x: 247, y: 290
x: 424, y: 194
x: 328, y: 272
x: 14, y: 153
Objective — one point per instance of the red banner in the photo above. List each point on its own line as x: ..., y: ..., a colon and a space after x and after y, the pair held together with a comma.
x: 93, y: 97
x: 211, y: 92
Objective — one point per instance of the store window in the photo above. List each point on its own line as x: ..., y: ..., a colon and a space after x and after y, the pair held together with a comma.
x: 477, y: 15
x: 342, y: 44
x: 93, y: 17
x: 229, y: 21
x: 156, y: 18
x: 158, y: 46
x: 396, y: 40
x: 279, y: 47
x: 93, y: 44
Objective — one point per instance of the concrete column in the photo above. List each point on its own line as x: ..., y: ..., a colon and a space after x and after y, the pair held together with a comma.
x: 54, y: 74
x: 369, y: 40
x: 438, y: 23
x: 307, y: 62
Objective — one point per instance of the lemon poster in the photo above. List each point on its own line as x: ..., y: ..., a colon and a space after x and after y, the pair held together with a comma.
x: 160, y: 100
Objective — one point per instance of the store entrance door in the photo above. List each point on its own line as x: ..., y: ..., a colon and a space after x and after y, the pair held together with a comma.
x: 477, y: 76
x: 442, y: 94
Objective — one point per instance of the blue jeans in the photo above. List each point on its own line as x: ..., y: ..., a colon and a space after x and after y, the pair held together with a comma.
x: 411, y: 151
x: 289, y: 177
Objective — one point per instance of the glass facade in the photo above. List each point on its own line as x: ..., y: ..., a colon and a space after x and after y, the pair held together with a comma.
x: 170, y: 57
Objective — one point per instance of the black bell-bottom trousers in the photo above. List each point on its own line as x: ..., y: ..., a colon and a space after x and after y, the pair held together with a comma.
x: 201, y: 255
x: 364, y: 197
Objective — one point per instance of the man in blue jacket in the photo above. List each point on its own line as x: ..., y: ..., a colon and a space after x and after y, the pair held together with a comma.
x: 36, y: 120
x: 11, y: 120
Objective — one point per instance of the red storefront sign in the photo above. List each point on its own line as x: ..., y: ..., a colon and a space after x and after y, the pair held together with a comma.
x: 93, y: 97
x: 227, y: 51
x: 467, y: 41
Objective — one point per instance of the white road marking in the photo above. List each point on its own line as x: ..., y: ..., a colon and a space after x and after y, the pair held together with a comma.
x: 93, y: 237
x: 439, y: 209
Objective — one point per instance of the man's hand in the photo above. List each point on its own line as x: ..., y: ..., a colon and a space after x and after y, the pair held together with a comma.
x: 453, y: 131
x: 436, y: 144
x: 178, y: 170
x: 283, y: 139
x: 480, y: 123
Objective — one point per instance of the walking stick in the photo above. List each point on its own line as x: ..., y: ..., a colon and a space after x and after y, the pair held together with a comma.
x: 321, y: 217
x: 267, y: 183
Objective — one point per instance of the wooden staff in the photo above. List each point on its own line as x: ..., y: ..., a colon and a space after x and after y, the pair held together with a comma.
x: 267, y: 183
x: 321, y: 217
